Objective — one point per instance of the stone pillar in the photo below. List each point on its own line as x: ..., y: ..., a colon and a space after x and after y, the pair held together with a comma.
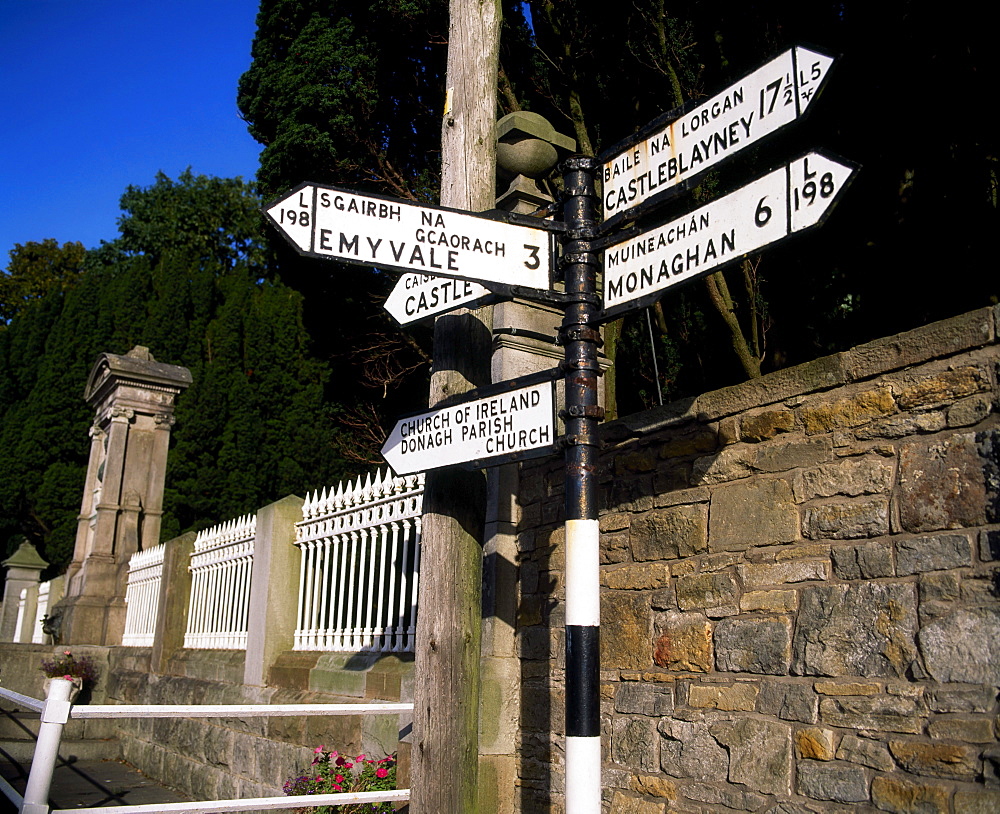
x: 174, y: 602
x: 274, y: 588
x: 24, y: 567
x: 523, y: 342
x: 133, y: 398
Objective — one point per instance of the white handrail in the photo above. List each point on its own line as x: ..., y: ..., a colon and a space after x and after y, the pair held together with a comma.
x: 56, y: 710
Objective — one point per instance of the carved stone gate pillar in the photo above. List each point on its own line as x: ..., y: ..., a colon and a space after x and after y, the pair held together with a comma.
x: 133, y: 397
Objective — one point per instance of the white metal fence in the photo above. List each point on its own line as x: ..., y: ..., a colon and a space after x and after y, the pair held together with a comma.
x: 221, y: 566
x: 142, y: 596
x: 360, y: 563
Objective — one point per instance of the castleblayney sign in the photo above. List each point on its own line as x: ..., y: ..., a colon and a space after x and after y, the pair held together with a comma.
x: 790, y: 199
x: 338, y: 224
x: 678, y: 147
x: 510, y: 423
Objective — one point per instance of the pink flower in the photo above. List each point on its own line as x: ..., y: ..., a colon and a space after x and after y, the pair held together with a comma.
x: 382, y: 773
x: 360, y: 757
x: 68, y: 678
x: 339, y: 778
x: 319, y: 749
x: 67, y: 653
x: 337, y: 787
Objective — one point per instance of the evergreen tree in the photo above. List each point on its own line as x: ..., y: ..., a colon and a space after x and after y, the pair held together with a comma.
x: 186, y: 280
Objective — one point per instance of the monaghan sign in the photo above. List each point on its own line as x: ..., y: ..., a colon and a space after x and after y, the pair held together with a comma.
x: 762, y: 102
x: 787, y: 200
x: 421, y: 296
x: 324, y: 221
x: 503, y: 427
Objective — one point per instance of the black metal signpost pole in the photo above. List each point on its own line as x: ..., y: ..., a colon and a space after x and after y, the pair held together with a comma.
x: 581, y: 338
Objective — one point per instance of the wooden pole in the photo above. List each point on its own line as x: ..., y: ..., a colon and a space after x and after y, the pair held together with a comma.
x: 446, y: 697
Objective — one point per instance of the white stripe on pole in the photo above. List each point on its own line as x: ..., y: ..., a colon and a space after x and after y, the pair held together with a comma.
x: 583, y: 560
x: 583, y: 775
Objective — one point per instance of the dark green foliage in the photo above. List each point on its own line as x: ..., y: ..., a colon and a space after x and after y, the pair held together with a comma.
x: 34, y: 270
x: 254, y: 425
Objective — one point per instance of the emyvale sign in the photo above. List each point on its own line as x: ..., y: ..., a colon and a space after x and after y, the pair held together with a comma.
x: 667, y: 155
x: 338, y: 224
x: 788, y: 200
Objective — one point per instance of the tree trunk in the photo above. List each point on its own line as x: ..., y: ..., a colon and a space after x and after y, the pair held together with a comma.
x: 446, y: 696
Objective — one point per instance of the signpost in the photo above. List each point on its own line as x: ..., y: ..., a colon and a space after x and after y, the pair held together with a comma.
x: 501, y: 426
x: 446, y: 253
x: 338, y: 224
x: 790, y: 199
x: 675, y: 149
x: 421, y: 296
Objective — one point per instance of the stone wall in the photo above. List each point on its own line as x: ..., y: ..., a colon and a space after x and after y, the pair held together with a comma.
x: 799, y: 591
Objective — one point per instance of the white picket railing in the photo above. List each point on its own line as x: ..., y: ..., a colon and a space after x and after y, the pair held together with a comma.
x: 221, y: 566
x: 142, y: 596
x: 360, y: 563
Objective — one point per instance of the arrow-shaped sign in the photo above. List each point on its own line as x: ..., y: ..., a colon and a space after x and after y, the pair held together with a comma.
x: 790, y: 199
x: 338, y: 224
x: 514, y: 421
x: 675, y: 149
x: 421, y: 296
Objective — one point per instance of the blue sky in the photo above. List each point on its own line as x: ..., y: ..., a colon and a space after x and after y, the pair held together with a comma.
x: 99, y: 94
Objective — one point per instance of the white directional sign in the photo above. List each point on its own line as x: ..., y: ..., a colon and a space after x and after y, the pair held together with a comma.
x: 695, y: 140
x: 788, y: 200
x: 335, y: 223
x: 504, y: 425
x: 420, y: 296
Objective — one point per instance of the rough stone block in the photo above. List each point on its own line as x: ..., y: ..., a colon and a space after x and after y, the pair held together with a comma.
x: 782, y: 455
x: 960, y: 699
x: 777, y: 601
x: 688, y: 750
x: 876, y: 714
x: 903, y: 426
x: 754, y: 645
x: 977, y: 802
x: 783, y: 573
x: 738, y: 697
x: 844, y: 413
x: 873, y: 754
x: 863, y: 561
x: 790, y: 702
x: 832, y: 781
x: 936, y: 759
x: 730, y: 463
x: 635, y: 744
x: 940, y: 388
x: 815, y: 743
x: 760, y: 753
x: 683, y: 641
x: 654, y: 786
x: 747, y: 514
x: 863, y: 629
x: 699, y: 441
x: 936, y: 553
x: 713, y: 594
x: 767, y: 424
x: 989, y: 546
x: 867, y: 475
x: 942, y: 484
x: 644, y: 699
x: 667, y: 534
x: 970, y: 730
x: 728, y: 796
x: 847, y: 688
x: 629, y: 804
x: 641, y: 577
x: 969, y: 411
x: 847, y: 521
x: 963, y: 647
x: 626, y: 630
